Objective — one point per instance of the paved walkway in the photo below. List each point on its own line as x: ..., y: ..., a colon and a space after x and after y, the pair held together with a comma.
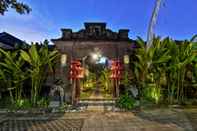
x: 162, y: 120
x: 192, y: 116
x: 150, y: 120
x: 96, y: 93
x: 97, y: 97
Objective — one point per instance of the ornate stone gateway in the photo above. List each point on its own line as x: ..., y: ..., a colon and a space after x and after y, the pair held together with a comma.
x: 94, y: 41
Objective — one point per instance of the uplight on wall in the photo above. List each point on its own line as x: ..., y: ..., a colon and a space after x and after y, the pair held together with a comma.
x: 126, y: 59
x: 63, y: 60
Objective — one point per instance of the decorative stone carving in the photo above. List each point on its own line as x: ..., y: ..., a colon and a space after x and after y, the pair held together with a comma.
x: 94, y: 31
x: 123, y: 33
x: 66, y: 33
x: 134, y: 91
x: 57, y: 95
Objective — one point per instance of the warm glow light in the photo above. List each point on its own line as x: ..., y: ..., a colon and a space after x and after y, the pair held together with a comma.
x: 95, y: 56
x: 126, y: 59
x: 63, y: 60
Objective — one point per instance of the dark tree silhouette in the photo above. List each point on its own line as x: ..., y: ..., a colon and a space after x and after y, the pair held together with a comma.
x: 20, y: 7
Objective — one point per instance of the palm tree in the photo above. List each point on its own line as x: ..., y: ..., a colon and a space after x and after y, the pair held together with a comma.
x: 152, y: 23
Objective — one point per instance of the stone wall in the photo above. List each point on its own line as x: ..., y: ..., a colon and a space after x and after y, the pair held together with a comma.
x: 77, y: 45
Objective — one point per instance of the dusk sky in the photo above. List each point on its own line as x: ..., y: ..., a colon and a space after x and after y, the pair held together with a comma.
x: 177, y: 18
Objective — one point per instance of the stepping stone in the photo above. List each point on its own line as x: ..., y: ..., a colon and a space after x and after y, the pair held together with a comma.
x: 97, y: 104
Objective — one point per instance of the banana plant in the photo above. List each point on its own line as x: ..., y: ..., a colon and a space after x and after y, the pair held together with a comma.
x: 194, y: 51
x: 141, y: 64
x: 159, y: 57
x: 185, y: 57
x: 11, y: 74
x: 181, y: 56
x: 40, y: 60
x: 6, y: 83
x: 151, y: 62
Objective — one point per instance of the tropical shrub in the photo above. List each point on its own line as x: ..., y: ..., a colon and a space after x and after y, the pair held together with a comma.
x: 39, y: 60
x: 126, y: 102
x: 165, y: 65
x: 89, y: 82
x: 125, y: 81
x: 23, y: 104
x: 43, y: 102
x: 152, y: 94
x: 150, y: 63
x: 12, y: 74
x: 105, y: 80
x: 181, y: 56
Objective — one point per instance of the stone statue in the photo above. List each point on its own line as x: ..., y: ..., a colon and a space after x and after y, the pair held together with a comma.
x: 57, y: 93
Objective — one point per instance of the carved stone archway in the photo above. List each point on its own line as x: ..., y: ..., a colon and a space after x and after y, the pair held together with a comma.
x: 77, y: 45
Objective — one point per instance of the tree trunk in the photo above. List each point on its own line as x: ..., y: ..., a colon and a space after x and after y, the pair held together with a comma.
x: 152, y: 23
x: 74, y: 92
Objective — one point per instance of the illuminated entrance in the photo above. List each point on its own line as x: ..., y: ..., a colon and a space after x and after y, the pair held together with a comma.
x: 99, y: 78
x: 92, y: 61
x: 96, y: 83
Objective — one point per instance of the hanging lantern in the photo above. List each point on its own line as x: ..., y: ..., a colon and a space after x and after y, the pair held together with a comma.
x: 126, y: 59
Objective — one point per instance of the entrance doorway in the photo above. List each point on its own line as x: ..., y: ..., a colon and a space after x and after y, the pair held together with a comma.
x: 96, y: 83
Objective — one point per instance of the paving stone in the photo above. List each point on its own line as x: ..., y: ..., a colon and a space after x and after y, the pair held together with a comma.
x: 41, y: 125
x: 154, y: 120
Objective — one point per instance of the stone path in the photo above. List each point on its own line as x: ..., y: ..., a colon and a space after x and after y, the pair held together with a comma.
x: 149, y: 120
x: 42, y: 125
x: 96, y: 102
x: 96, y: 94
x: 192, y: 116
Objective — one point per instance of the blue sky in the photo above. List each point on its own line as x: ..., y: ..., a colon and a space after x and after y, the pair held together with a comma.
x: 177, y: 18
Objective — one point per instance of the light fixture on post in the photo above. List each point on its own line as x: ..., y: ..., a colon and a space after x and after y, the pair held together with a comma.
x: 126, y: 59
x: 95, y: 56
x: 63, y: 60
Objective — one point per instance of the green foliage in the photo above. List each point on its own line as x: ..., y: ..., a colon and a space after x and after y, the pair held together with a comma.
x: 12, y: 74
x: 5, y: 102
x: 39, y: 59
x: 152, y: 93
x: 20, y: 7
x: 90, y: 82
x: 126, y: 102
x: 22, y: 104
x: 176, y: 71
x: 18, y: 66
x: 85, y: 94
x: 125, y: 81
x: 164, y: 64
x: 43, y: 102
x: 105, y: 79
x: 150, y: 62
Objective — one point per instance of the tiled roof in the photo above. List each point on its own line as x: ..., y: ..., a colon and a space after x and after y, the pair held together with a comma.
x: 10, y: 40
